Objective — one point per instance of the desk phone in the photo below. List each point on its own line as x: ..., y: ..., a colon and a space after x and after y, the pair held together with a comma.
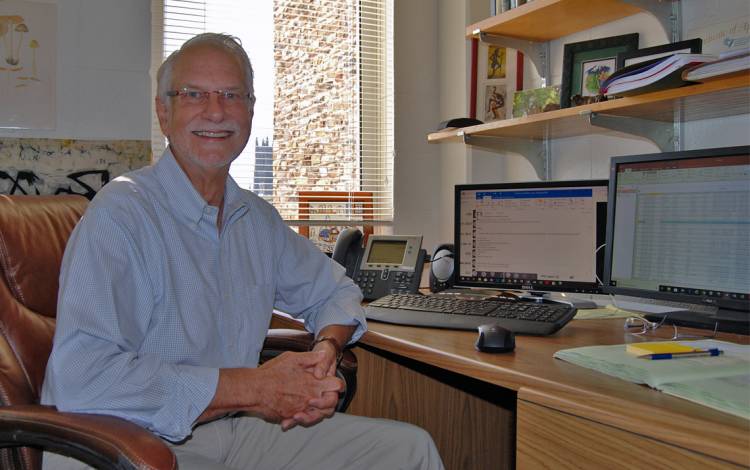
x: 387, y: 264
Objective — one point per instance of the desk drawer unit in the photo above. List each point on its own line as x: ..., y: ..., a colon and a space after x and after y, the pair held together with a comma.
x: 548, y: 438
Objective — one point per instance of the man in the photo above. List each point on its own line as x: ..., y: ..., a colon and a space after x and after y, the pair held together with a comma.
x: 167, y: 289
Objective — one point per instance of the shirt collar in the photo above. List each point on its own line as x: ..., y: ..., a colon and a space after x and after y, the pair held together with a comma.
x: 186, y: 200
x: 235, y: 200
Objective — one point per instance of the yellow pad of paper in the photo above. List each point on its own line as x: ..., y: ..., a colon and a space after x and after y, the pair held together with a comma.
x: 660, y: 347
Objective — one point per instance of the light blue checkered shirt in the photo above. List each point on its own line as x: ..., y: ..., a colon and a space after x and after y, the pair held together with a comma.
x: 154, y: 300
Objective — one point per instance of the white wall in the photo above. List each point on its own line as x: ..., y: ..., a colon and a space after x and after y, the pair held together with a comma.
x: 416, y: 92
x: 103, y: 83
x: 424, y: 183
x: 104, y: 93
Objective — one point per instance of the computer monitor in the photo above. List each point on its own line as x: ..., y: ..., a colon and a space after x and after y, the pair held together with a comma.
x: 679, y: 230
x: 537, y: 237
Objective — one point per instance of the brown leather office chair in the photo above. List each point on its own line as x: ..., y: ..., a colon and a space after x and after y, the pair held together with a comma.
x: 33, y: 234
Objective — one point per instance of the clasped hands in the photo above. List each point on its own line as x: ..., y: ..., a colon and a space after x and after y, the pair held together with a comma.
x: 304, y: 387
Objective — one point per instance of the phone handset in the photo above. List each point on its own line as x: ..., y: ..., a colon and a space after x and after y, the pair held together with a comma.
x: 348, y: 249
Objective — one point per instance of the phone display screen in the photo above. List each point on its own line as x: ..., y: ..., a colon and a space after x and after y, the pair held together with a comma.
x: 387, y: 252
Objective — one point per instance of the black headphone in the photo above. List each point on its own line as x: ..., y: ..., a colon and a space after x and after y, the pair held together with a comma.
x: 441, y: 267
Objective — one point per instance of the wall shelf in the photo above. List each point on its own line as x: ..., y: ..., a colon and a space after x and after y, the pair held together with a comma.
x: 530, y: 27
x: 726, y: 96
x: 544, y: 20
x: 654, y: 116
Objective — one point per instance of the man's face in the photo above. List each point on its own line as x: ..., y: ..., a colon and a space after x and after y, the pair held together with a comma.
x: 212, y: 134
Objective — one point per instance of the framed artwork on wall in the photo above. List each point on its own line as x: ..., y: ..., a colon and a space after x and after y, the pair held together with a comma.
x: 333, y: 206
x: 588, y: 63
x: 28, y: 64
x: 496, y: 81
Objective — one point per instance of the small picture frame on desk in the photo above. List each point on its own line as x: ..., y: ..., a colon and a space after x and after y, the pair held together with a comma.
x: 692, y: 46
x: 333, y: 206
x: 588, y: 63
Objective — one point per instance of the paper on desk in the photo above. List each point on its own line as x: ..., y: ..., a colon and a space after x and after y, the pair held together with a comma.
x: 730, y: 394
x: 711, y: 381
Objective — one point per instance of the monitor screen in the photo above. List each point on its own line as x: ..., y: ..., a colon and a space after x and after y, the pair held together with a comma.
x: 540, y: 236
x: 679, y: 227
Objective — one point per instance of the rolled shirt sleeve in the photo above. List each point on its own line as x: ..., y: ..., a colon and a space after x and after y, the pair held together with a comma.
x: 313, y: 287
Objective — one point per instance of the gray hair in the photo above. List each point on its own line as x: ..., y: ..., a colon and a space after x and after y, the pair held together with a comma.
x: 229, y: 43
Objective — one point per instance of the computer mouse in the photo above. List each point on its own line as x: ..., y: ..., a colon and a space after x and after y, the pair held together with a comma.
x: 494, y: 338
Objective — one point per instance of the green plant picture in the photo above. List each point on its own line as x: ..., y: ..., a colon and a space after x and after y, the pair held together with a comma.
x: 537, y: 100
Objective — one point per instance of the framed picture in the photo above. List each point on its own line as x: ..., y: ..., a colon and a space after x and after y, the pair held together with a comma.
x: 495, y: 79
x: 588, y: 63
x: 496, y: 62
x: 693, y: 46
x: 537, y: 100
x: 333, y: 206
x: 495, y: 97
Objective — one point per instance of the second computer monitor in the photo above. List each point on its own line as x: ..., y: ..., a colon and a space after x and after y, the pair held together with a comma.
x: 542, y: 236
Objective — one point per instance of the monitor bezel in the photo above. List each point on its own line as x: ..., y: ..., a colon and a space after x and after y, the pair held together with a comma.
x: 722, y: 303
x: 593, y: 288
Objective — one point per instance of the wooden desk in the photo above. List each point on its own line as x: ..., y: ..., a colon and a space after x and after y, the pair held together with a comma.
x: 528, y: 410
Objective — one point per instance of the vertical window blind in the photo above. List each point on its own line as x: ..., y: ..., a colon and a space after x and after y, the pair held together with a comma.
x: 322, y: 143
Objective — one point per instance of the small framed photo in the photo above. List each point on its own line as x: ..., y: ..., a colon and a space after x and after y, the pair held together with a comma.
x: 328, y: 209
x: 588, y: 63
x: 692, y: 46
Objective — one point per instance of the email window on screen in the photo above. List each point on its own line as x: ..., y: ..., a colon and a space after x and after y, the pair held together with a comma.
x: 539, y: 234
x: 685, y: 227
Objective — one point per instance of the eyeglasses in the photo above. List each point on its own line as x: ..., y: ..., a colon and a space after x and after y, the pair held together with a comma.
x: 638, y: 326
x: 191, y: 96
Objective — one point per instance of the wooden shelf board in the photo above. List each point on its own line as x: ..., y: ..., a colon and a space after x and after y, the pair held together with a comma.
x: 544, y: 20
x: 717, y: 98
x: 443, y: 136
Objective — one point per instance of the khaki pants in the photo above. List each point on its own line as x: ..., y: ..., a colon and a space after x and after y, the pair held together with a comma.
x: 341, y: 442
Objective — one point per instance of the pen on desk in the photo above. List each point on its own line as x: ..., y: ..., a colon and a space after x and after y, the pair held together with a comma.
x: 707, y: 352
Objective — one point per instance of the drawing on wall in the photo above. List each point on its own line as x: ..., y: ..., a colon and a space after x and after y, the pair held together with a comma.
x: 28, y: 50
x: 494, y: 108
x: 30, y: 166
x: 496, y: 62
x: 495, y: 82
x: 593, y: 73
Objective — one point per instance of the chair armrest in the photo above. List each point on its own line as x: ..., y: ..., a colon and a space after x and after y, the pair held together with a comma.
x: 98, y: 440
x: 279, y: 340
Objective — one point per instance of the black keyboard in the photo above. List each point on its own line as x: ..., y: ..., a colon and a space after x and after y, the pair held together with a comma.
x: 522, y: 316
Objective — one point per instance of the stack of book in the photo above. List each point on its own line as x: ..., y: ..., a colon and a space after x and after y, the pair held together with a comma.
x: 728, y: 62
x: 652, y: 75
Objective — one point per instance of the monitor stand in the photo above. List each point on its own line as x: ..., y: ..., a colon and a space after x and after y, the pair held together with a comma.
x: 729, y: 321
x: 561, y: 297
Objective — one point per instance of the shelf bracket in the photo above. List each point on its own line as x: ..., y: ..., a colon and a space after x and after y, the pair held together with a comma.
x: 534, y: 151
x: 537, y: 52
x: 668, y: 12
x: 659, y: 132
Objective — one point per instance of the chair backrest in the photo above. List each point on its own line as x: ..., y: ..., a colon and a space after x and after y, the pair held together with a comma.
x: 33, y: 233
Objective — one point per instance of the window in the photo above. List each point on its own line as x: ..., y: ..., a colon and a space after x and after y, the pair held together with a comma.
x: 324, y: 86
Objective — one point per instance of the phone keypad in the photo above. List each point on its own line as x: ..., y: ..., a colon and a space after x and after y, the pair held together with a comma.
x: 390, y: 282
x: 366, y: 281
